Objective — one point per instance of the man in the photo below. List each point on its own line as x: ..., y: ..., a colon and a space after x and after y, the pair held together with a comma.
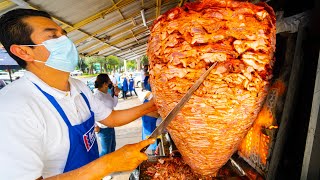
x: 146, y: 78
x: 47, y: 118
x: 142, y: 78
x: 113, y: 79
x: 106, y: 135
x: 114, y: 84
x: 131, y: 85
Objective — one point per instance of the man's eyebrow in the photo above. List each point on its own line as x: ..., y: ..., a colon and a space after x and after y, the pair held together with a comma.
x: 51, y: 29
x: 64, y: 32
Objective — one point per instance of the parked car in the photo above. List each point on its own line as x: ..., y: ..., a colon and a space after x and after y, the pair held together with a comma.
x: 4, y: 75
x: 90, y: 83
x: 18, y: 74
x: 76, y: 73
x: 2, y: 83
x: 137, y: 79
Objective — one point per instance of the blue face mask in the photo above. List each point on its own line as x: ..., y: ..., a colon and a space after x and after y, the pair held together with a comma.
x: 63, y: 54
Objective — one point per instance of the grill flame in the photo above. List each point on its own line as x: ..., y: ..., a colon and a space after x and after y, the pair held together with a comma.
x: 256, y: 145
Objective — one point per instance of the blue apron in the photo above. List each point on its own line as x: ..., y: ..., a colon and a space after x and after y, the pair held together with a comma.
x: 125, y: 84
x: 131, y: 84
x: 83, y: 143
x: 148, y: 126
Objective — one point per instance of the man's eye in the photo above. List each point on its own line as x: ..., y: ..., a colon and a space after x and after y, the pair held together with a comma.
x: 53, y: 36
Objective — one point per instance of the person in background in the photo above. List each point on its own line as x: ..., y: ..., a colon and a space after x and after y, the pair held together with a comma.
x: 117, y: 77
x: 149, y: 124
x: 142, y: 78
x: 47, y: 117
x: 146, y: 79
x: 120, y: 83
x: 106, y: 134
x: 113, y: 79
x: 131, y: 86
x: 114, y: 82
x: 125, y: 86
x: 111, y: 91
x: 147, y: 82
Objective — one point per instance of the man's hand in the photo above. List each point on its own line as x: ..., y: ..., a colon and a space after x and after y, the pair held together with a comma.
x: 129, y: 156
x: 116, y: 90
x: 153, y: 105
x: 96, y: 129
x: 126, y: 158
x: 154, y: 114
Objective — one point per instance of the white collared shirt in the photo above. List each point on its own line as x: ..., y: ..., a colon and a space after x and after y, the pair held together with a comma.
x: 108, y: 100
x: 35, y: 139
x: 142, y: 75
x: 113, y: 79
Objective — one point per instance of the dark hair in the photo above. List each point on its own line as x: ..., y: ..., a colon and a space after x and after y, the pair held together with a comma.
x: 101, y: 79
x: 15, y: 31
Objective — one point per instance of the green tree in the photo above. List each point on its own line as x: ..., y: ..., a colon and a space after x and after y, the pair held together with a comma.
x: 144, y: 60
x: 82, y: 65
x: 131, y: 65
x: 89, y: 61
x: 121, y: 65
x: 113, y: 62
x: 103, y: 63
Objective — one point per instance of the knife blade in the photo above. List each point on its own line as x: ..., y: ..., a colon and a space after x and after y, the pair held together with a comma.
x: 172, y: 114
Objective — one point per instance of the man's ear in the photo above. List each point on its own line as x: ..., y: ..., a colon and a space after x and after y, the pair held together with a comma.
x: 23, y: 52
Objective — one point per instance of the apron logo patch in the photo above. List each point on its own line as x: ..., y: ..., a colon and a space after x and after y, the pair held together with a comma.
x: 89, y: 138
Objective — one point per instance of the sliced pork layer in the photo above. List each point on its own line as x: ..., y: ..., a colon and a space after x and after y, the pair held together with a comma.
x: 184, y: 42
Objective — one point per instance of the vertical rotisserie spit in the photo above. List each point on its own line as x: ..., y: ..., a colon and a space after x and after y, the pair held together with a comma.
x: 185, y: 41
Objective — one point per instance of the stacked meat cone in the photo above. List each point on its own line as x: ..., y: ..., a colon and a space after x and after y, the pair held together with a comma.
x: 240, y: 38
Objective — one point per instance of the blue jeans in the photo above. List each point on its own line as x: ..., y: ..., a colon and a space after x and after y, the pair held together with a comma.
x: 108, y: 140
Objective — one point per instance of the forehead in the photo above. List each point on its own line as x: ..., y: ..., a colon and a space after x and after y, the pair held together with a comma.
x: 39, y: 23
x: 42, y: 27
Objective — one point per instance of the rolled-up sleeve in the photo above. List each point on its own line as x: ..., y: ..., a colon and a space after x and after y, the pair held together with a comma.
x: 100, y: 109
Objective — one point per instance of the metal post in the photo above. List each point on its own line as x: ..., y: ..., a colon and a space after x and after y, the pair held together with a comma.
x: 289, y: 105
x: 311, y: 163
x: 138, y: 60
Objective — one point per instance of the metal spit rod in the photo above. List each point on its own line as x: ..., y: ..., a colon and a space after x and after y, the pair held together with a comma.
x: 238, y: 167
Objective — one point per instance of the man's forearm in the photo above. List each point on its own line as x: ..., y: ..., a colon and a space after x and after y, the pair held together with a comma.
x: 122, y: 117
x: 127, y: 158
x: 95, y: 170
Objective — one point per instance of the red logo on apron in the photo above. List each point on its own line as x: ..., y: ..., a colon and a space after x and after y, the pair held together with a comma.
x: 89, y: 138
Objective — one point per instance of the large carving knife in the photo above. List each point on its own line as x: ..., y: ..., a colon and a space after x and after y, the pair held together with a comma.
x: 172, y: 114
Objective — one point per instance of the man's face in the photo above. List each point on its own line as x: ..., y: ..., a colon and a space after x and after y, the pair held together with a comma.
x: 110, y: 83
x: 43, y: 29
